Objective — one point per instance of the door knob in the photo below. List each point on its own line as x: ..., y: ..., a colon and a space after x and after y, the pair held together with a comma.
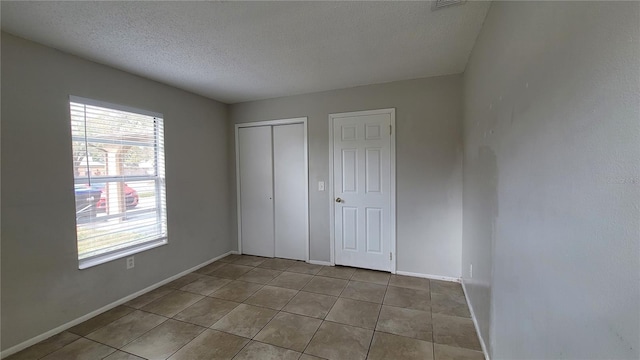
x: 339, y: 200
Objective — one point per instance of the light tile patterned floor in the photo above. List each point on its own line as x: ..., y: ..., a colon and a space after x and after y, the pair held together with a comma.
x: 247, y: 307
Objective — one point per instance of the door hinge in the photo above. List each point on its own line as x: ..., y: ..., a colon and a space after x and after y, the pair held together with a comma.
x: 390, y: 129
x: 390, y: 256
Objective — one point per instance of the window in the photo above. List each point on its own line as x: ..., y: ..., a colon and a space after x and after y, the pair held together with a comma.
x: 118, y: 165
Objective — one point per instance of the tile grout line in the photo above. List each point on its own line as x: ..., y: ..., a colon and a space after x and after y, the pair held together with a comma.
x: 126, y: 352
x: 278, y: 346
x: 315, y: 332
x: 354, y: 326
x: 282, y: 287
x: 282, y: 310
x: 49, y: 353
x: 116, y: 319
x: 232, y: 280
x: 239, y: 351
x: 312, y: 336
x: 254, y: 267
x: 173, y: 289
x: 265, y: 325
x: 321, y: 320
x: 141, y: 335
x: 377, y: 319
x: 243, y: 302
x: 172, y: 318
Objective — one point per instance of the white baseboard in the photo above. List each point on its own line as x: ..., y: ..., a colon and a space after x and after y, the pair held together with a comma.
x: 34, y: 340
x: 428, y: 276
x: 318, y: 262
x: 475, y: 321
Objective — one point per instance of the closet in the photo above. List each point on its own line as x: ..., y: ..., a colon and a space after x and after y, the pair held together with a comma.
x: 271, y: 163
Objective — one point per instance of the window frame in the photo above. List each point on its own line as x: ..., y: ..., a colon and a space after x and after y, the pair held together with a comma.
x: 159, y: 180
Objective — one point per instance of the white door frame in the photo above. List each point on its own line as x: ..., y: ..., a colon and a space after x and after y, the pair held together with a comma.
x: 300, y: 120
x: 392, y: 245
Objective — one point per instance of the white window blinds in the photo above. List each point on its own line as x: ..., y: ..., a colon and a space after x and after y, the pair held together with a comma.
x: 118, y: 164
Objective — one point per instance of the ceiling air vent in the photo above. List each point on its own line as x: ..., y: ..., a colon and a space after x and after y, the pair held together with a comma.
x: 441, y: 4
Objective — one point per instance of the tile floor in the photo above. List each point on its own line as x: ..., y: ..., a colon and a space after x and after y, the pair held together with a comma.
x: 247, y: 307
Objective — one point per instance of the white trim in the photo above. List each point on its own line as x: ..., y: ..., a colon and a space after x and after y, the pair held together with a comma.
x: 88, y: 260
x: 392, y: 185
x: 475, y: 321
x: 393, y: 192
x: 289, y: 121
x: 332, y: 208
x: 300, y: 120
x: 318, y: 262
x: 429, y: 276
x: 306, y: 195
x: 119, y: 254
x: 238, y: 209
x: 36, y: 339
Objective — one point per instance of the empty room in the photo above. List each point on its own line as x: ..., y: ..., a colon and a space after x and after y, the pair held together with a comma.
x: 334, y: 180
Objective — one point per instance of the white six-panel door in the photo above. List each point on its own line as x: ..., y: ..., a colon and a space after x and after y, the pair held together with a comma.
x: 362, y: 189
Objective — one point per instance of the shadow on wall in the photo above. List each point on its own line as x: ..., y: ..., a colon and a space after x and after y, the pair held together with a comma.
x: 480, y: 215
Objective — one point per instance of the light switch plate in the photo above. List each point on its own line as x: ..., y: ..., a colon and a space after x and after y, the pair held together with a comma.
x: 320, y: 185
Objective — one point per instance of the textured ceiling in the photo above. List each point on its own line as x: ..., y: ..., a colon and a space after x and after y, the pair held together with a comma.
x: 241, y: 51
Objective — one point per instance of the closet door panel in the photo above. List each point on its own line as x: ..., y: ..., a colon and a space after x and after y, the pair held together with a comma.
x: 256, y: 190
x: 290, y: 191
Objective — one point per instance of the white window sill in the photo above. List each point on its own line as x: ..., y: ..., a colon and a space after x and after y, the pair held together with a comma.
x: 119, y: 254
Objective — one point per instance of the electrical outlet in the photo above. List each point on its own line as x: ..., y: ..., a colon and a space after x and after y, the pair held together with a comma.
x: 470, y: 270
x: 130, y: 263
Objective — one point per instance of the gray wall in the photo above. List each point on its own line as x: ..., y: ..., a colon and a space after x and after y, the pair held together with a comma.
x: 429, y: 163
x: 552, y: 180
x: 42, y: 287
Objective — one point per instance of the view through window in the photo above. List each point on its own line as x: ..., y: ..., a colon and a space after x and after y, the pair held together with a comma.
x: 118, y: 165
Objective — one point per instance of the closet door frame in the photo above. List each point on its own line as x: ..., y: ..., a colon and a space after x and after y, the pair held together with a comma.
x: 300, y: 120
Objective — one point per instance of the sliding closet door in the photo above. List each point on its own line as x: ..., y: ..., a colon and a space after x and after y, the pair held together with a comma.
x: 256, y: 190
x: 290, y: 191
